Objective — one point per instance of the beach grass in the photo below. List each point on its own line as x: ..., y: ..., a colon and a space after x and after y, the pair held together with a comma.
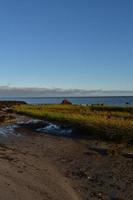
x: 102, y: 122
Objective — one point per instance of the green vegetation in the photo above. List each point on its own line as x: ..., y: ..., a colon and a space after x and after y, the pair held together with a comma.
x: 103, y: 122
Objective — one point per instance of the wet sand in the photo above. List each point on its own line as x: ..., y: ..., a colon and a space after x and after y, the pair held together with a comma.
x: 39, y: 166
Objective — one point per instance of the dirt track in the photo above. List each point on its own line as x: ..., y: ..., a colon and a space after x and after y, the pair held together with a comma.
x: 25, y: 176
x: 45, y: 167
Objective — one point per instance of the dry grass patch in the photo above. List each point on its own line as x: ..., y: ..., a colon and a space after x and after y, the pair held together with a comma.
x: 108, y: 123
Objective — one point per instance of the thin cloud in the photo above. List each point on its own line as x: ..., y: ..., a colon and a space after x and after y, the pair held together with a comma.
x: 9, y: 91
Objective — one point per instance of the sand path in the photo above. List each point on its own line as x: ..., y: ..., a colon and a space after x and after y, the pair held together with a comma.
x: 25, y: 176
x: 37, y: 166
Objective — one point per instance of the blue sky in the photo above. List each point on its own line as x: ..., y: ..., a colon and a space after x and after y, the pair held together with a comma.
x: 82, y: 44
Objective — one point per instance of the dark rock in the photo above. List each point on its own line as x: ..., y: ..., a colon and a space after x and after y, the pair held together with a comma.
x: 79, y: 173
x: 116, y: 198
x: 128, y: 155
x: 66, y: 102
x: 2, y: 118
x: 8, y: 104
x: 101, y: 151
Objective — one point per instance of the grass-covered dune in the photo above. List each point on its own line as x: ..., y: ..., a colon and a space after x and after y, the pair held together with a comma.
x: 103, y: 122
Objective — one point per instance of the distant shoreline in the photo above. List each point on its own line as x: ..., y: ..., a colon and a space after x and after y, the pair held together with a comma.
x: 106, y: 100
x: 66, y: 97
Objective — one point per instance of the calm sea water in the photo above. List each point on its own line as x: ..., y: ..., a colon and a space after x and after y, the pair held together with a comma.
x: 116, y: 101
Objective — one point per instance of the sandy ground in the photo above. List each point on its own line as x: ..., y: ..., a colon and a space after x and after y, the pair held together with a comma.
x: 43, y: 167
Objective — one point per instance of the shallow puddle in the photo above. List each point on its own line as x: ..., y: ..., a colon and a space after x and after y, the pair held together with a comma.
x: 36, y: 126
x: 7, y: 130
x: 55, y: 130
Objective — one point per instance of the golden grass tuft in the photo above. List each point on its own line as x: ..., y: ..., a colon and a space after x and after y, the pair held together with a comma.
x: 108, y: 123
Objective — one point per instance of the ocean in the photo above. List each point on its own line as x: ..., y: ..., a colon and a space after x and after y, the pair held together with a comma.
x: 114, y: 101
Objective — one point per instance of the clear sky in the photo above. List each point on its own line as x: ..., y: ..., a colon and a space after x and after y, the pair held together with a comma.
x: 83, y: 44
